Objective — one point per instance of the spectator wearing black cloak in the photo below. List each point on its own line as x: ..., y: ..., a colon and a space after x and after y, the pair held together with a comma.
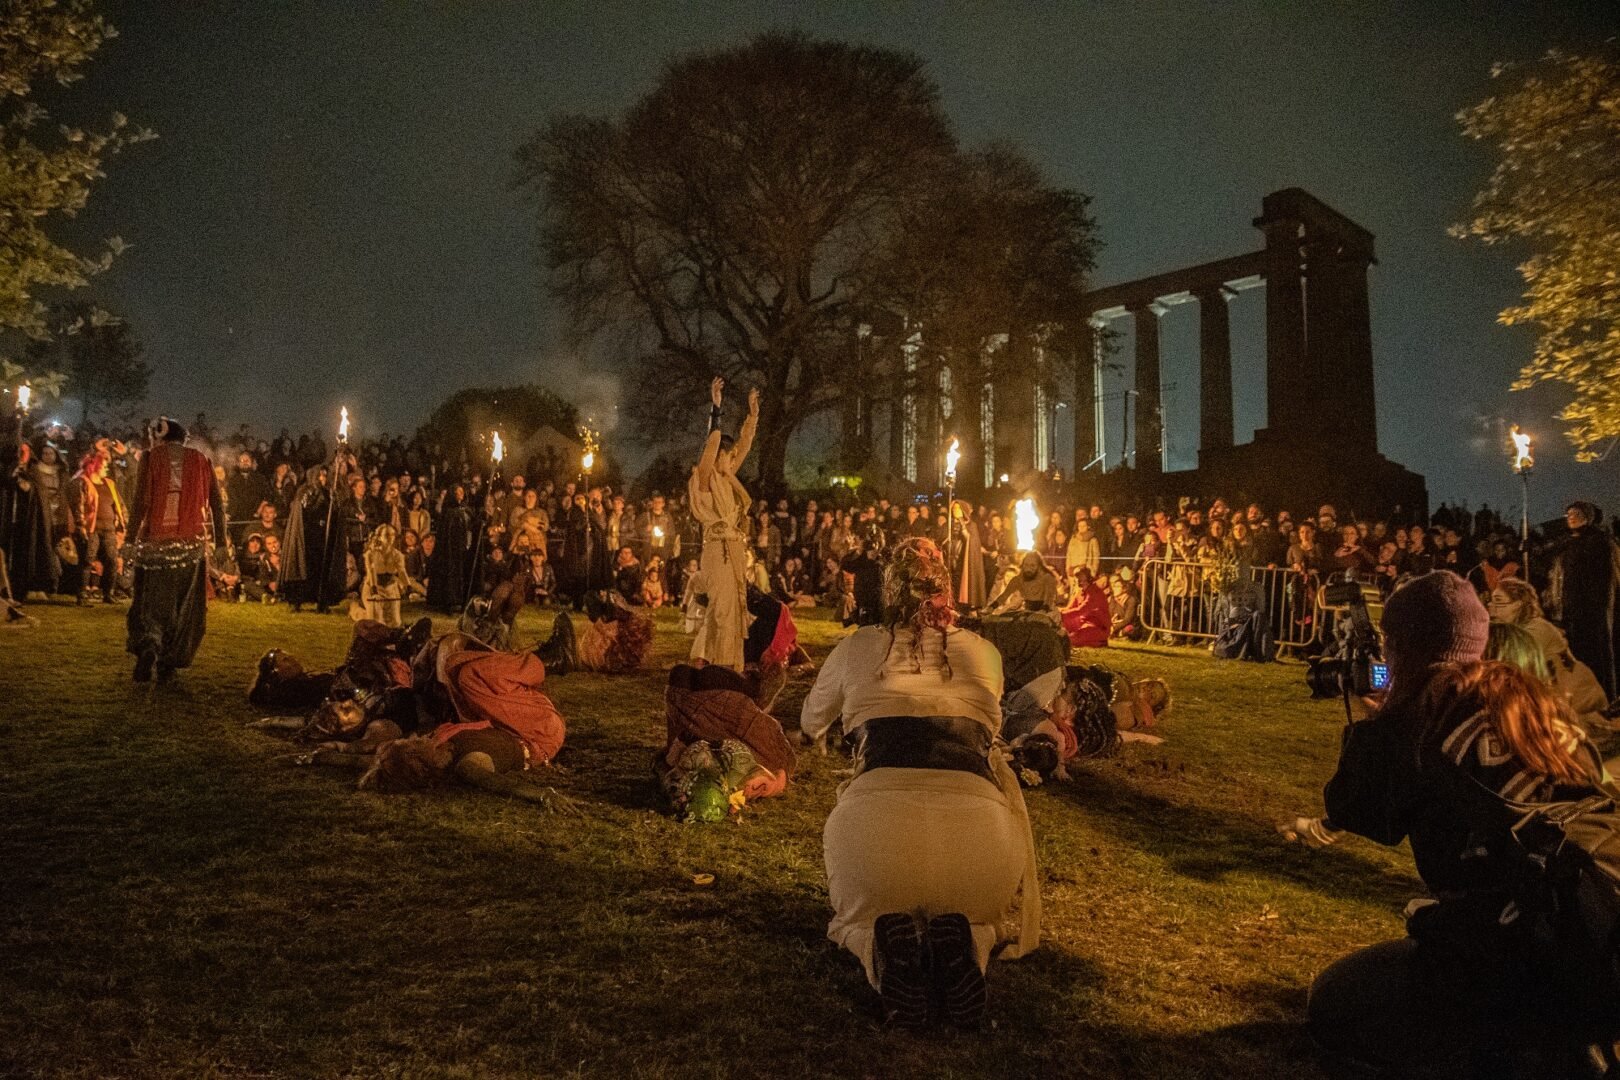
x: 1581, y: 591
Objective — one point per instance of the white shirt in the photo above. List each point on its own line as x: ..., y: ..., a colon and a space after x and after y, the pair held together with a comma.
x: 849, y: 685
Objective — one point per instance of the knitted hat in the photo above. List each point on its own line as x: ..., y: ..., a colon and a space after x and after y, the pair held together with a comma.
x: 1434, y: 619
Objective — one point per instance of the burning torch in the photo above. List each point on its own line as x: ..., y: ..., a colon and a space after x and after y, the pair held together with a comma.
x: 1524, y: 461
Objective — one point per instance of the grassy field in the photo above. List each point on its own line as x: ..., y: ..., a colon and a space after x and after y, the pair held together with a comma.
x: 178, y: 899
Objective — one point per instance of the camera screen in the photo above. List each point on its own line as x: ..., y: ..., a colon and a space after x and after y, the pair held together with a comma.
x: 1380, y: 675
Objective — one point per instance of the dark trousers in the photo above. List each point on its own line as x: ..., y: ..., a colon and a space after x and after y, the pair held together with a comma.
x: 1397, y: 1009
x: 99, y: 544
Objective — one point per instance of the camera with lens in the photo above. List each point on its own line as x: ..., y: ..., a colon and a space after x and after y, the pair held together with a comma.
x: 1355, y: 665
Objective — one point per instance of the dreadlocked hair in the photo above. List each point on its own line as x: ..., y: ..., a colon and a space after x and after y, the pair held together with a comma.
x: 917, y: 595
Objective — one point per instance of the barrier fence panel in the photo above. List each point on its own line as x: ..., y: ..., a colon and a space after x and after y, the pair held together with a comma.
x: 1194, y: 600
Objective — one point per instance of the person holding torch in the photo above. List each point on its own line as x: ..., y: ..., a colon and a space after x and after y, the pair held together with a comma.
x: 719, y: 503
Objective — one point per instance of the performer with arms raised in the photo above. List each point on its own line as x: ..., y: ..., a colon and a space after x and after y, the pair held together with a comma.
x: 719, y: 503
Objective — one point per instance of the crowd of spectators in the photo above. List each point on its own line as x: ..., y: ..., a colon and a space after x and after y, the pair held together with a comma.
x: 464, y: 528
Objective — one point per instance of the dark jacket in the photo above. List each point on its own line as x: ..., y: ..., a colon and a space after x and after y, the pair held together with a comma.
x: 1424, y: 771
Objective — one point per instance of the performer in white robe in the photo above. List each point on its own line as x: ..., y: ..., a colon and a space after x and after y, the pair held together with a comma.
x: 719, y: 503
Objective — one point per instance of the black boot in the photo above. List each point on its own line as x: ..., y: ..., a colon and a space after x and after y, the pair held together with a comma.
x: 900, y: 957
x: 958, y: 981
x: 143, y: 665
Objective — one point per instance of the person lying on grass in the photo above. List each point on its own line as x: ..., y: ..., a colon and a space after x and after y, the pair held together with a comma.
x: 930, y: 859
x: 722, y: 749
x: 1078, y: 711
x: 503, y: 726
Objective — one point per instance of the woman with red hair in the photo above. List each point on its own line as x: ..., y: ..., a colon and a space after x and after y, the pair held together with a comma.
x: 96, y: 513
x: 1449, y: 761
x: 930, y: 861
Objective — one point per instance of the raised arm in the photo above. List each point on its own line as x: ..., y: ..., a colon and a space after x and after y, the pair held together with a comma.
x: 711, y: 443
x: 745, y: 437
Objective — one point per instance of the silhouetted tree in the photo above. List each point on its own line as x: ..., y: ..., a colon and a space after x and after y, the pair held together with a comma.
x: 98, y: 355
x: 46, y: 171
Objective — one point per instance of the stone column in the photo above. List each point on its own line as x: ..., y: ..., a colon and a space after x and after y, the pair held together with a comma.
x: 1149, y: 439
x: 1287, y: 408
x: 1214, y: 369
x: 1086, y: 431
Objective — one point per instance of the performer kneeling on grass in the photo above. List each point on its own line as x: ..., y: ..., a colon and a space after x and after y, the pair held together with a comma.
x: 1479, y: 987
x: 930, y: 861
x: 169, y: 614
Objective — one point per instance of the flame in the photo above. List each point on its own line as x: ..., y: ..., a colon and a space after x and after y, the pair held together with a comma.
x: 588, y: 439
x: 25, y: 394
x: 1522, y: 457
x: 952, y: 456
x: 658, y: 532
x: 1026, y: 519
x: 343, y: 425
x: 499, y: 448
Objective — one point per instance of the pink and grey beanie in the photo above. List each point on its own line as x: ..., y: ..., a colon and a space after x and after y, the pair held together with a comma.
x: 1434, y: 619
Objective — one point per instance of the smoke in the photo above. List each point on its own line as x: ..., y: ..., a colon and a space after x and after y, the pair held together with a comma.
x: 594, y: 388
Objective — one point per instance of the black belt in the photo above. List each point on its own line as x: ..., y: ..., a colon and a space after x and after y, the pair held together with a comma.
x: 953, y: 743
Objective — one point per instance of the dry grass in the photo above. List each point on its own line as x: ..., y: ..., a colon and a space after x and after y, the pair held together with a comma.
x: 177, y: 899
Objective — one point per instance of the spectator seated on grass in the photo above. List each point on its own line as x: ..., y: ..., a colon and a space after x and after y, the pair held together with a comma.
x: 1478, y: 987
x: 1085, y: 618
x: 1078, y: 711
x: 1033, y: 588
x: 930, y: 860
x: 1514, y: 601
x: 722, y: 749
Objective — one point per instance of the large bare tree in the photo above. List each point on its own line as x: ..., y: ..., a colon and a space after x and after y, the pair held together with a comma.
x: 762, y: 202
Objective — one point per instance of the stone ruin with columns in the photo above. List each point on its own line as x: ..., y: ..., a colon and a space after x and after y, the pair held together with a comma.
x: 1320, y: 440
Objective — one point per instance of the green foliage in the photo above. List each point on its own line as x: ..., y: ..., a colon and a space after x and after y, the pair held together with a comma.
x: 46, y: 172
x: 1556, y: 188
x: 464, y: 422
x: 766, y: 201
x: 98, y: 356
x: 181, y: 900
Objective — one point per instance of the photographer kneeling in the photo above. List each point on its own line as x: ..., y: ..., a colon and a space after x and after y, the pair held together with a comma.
x: 1471, y: 990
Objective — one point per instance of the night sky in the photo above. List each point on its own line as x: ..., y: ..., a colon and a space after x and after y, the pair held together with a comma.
x: 327, y: 215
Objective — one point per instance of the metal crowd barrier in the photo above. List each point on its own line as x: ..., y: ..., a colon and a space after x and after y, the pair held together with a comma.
x: 1180, y: 600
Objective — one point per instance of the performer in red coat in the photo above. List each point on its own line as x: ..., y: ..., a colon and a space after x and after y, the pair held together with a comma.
x: 174, y: 487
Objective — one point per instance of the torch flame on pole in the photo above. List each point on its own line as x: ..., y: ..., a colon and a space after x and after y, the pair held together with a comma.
x: 952, y: 456
x: 25, y: 394
x: 1026, y: 520
x: 343, y: 424
x: 1522, y: 457
x: 588, y: 438
x: 498, y: 448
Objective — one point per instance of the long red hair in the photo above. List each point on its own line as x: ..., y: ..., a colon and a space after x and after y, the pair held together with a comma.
x: 1532, y: 722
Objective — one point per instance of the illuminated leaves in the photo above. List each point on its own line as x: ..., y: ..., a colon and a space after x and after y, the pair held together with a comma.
x: 1556, y: 188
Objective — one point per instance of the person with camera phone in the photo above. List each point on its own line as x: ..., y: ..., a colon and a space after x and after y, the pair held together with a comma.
x: 1453, y: 758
